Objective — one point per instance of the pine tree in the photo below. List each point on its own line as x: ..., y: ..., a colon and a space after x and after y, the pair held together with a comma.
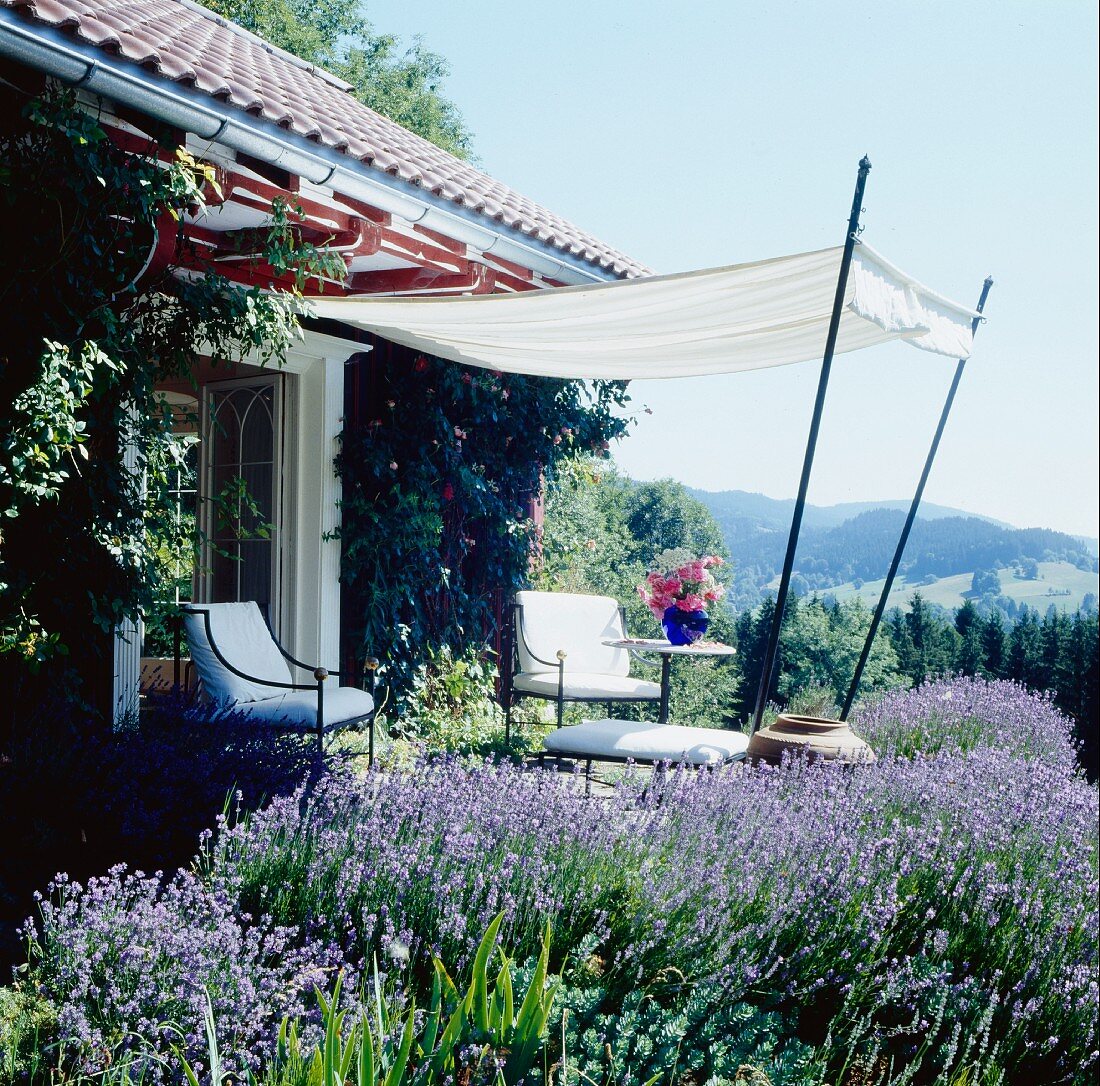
x: 934, y: 642
x: 752, y: 641
x: 968, y: 625
x: 1025, y: 650
x: 1079, y: 692
x: 966, y: 617
x: 994, y: 650
x: 902, y: 640
x: 1055, y: 631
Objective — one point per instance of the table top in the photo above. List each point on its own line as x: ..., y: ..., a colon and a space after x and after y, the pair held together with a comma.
x: 667, y: 648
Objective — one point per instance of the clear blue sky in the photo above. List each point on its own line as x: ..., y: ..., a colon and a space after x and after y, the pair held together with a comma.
x: 700, y: 134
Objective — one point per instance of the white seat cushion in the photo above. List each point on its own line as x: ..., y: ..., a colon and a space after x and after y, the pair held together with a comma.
x: 647, y: 742
x: 244, y: 640
x: 298, y: 708
x: 586, y: 685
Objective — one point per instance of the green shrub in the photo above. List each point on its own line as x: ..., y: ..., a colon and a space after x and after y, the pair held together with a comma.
x: 27, y: 1019
x: 451, y: 705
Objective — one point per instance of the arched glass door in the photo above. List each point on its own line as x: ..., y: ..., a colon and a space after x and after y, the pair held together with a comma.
x: 241, y: 491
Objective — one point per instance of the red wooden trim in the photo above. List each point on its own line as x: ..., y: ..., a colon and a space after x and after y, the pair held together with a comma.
x: 166, y: 253
x: 513, y: 283
x: 165, y: 135
x: 452, y: 244
x: 136, y: 143
x: 258, y: 194
x: 368, y: 211
x: 359, y: 238
x: 517, y: 271
x: 282, y: 179
x: 473, y: 278
x: 258, y: 273
x: 442, y: 265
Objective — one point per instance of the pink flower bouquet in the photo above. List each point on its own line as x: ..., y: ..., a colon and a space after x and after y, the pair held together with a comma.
x: 686, y: 585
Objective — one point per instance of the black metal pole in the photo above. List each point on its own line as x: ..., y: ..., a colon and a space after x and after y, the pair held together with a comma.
x: 772, y: 653
x: 880, y: 610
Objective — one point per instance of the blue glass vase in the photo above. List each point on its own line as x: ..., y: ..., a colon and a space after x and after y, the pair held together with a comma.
x: 684, y: 627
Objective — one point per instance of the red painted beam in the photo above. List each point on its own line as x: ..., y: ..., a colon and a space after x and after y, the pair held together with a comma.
x: 281, y: 179
x: 368, y: 211
x: 421, y: 250
x: 442, y: 263
x: 258, y: 273
x: 473, y: 279
x: 359, y: 238
x: 517, y: 271
x: 513, y: 282
x: 446, y: 242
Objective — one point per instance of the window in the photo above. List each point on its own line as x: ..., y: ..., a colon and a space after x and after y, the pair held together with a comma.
x: 241, y: 491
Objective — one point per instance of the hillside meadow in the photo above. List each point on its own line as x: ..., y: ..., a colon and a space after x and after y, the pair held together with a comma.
x: 1059, y: 583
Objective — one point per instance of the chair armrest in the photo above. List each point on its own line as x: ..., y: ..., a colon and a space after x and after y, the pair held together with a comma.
x: 558, y: 663
x: 637, y: 654
x: 236, y: 670
x: 294, y: 660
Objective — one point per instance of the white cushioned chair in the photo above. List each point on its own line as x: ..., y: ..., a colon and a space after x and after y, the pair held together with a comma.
x: 559, y: 654
x: 242, y: 668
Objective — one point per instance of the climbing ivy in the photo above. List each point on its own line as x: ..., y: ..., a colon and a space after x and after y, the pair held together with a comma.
x: 438, y: 482
x: 89, y: 332
x: 435, y: 523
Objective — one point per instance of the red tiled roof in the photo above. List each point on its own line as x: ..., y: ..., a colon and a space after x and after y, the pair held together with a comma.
x: 192, y: 46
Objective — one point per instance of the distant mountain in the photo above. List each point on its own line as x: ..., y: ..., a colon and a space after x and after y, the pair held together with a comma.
x: 854, y: 542
x: 777, y: 512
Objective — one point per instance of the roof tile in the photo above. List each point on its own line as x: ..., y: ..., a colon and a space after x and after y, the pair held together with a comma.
x: 187, y: 44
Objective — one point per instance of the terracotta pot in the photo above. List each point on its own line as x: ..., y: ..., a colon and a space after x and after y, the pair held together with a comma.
x: 832, y: 740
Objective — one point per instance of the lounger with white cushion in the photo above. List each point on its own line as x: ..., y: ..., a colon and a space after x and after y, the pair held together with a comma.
x: 643, y: 741
x: 243, y: 669
x: 559, y: 652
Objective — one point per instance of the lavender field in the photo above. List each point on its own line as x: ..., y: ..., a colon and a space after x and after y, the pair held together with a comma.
x: 931, y: 918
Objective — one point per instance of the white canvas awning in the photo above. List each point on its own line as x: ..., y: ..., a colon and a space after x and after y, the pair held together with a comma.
x: 721, y: 320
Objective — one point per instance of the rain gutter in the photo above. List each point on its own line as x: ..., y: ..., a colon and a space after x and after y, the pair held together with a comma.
x: 47, y: 50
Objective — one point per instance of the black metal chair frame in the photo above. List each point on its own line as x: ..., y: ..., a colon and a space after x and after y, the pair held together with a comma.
x: 320, y: 675
x: 560, y: 757
x: 512, y: 695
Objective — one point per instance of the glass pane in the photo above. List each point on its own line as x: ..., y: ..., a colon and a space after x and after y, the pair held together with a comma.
x: 258, y: 428
x: 225, y: 431
x: 225, y: 569
x: 255, y: 572
x: 256, y: 508
x: 241, y: 458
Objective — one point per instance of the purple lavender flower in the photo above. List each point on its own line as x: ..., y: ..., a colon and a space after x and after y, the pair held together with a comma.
x: 963, y: 714
x: 943, y: 902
